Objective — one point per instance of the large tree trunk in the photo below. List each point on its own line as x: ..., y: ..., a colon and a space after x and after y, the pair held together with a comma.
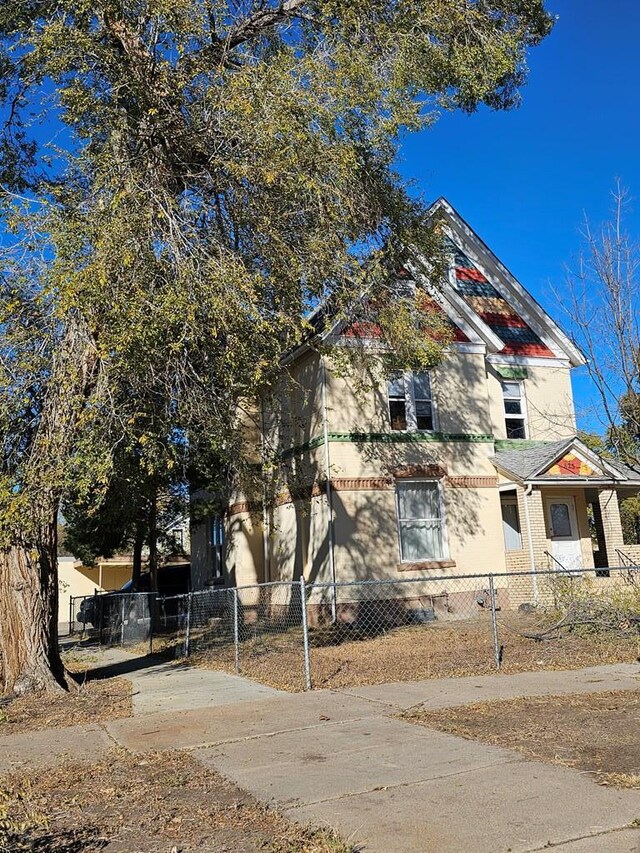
x: 29, y: 616
x: 28, y: 555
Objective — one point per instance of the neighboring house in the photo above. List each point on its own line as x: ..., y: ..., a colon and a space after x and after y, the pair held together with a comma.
x: 474, y: 467
x: 111, y: 573
x: 74, y: 579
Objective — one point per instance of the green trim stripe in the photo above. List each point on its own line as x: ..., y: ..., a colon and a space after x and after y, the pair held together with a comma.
x: 518, y: 443
x: 516, y: 373
x: 390, y: 438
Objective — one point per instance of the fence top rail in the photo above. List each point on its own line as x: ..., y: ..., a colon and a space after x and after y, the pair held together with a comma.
x: 377, y: 582
x: 574, y: 572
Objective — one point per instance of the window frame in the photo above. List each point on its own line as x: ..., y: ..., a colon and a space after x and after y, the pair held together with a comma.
x: 217, y: 543
x: 521, y: 398
x: 411, y: 416
x: 444, y: 538
x: 511, y: 500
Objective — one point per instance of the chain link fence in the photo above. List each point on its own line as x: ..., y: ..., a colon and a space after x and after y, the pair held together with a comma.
x: 295, y: 635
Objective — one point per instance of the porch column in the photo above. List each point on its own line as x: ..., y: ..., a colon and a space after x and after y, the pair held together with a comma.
x: 538, y: 527
x: 611, y: 525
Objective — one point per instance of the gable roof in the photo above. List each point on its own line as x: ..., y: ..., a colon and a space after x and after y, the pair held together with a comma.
x: 483, y: 302
x: 494, y: 293
x: 561, y: 461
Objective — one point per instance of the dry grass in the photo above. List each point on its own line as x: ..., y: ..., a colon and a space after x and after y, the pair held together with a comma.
x: 407, y: 654
x: 160, y: 803
x: 92, y: 701
x: 593, y: 732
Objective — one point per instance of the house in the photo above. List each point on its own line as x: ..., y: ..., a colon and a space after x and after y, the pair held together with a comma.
x: 75, y: 580
x: 471, y: 468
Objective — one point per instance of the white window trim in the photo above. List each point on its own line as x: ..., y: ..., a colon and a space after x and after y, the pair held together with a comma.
x: 511, y: 501
x: 443, y: 520
x: 524, y: 416
x: 410, y: 403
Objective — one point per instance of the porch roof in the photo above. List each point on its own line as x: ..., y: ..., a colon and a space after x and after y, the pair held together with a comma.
x: 531, y: 463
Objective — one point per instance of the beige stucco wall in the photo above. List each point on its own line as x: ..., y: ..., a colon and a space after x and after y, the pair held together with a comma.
x: 548, y: 400
x: 359, y: 403
x: 244, y: 549
x: 298, y: 541
x: 292, y: 410
x: 375, y: 459
x: 366, y: 534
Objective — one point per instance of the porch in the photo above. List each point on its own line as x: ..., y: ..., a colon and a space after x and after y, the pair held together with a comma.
x: 560, y: 507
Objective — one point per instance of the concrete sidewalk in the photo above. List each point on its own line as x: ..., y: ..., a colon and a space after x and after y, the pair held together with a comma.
x: 448, y: 692
x: 161, y: 685
x: 341, y: 758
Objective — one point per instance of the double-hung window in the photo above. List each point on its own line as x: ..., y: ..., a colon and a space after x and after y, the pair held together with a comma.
x: 514, y: 411
x: 410, y: 402
x: 420, y: 520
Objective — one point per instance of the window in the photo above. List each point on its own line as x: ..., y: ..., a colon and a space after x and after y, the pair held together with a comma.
x: 420, y: 520
x: 217, y: 548
x: 410, y: 402
x: 397, y: 402
x: 511, y: 524
x: 514, y: 415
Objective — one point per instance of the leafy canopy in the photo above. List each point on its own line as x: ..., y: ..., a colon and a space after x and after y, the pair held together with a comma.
x: 183, y: 180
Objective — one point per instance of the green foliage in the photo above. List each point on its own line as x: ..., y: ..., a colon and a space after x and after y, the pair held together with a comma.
x: 223, y: 168
x: 586, y: 606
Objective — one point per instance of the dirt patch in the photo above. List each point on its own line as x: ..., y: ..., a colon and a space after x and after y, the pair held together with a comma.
x: 593, y: 732
x: 93, y: 701
x: 156, y: 804
x: 409, y: 654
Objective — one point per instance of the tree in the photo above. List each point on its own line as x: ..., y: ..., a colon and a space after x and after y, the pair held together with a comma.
x: 602, y: 300
x: 217, y: 169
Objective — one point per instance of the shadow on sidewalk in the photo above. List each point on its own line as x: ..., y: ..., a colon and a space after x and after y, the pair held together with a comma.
x: 111, y: 670
x: 94, y: 671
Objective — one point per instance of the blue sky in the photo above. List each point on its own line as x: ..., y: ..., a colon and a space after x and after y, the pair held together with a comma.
x: 524, y: 179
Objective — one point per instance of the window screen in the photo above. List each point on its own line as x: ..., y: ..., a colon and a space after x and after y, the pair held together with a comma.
x: 419, y: 521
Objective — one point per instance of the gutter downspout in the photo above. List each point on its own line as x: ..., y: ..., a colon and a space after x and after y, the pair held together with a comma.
x: 266, y: 561
x: 532, y: 560
x: 328, y: 491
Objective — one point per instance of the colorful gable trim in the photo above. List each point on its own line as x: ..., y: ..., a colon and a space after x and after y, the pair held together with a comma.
x: 571, y: 466
x: 519, y: 338
x: 370, y: 329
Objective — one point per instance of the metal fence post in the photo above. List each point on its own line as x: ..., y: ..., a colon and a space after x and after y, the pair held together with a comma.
x: 71, y: 619
x: 122, y: 622
x: 236, y: 632
x: 187, y: 637
x: 305, y: 634
x: 151, y: 606
x: 494, y: 622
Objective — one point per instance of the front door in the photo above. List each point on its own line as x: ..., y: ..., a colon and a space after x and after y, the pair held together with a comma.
x: 564, y: 533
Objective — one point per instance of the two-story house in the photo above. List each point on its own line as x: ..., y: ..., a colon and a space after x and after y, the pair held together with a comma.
x: 473, y: 467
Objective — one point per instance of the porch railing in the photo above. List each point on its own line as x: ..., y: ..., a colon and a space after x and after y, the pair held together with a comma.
x: 626, y: 560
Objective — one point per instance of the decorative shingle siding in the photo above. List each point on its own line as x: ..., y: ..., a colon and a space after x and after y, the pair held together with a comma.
x: 519, y: 338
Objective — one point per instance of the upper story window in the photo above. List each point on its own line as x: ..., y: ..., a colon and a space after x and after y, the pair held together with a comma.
x: 410, y: 402
x: 514, y: 410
